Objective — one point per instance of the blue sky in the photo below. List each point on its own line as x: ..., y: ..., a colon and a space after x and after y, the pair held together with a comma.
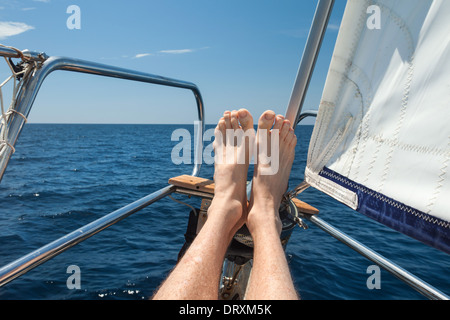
x: 239, y: 53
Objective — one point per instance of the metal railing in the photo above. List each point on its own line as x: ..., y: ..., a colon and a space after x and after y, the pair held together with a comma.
x: 24, y: 264
x: 308, y: 61
x: 24, y: 102
x: 414, y: 282
x: 37, y: 257
x: 31, y: 86
x: 295, y: 115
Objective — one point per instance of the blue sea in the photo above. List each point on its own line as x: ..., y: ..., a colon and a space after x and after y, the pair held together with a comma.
x: 64, y: 176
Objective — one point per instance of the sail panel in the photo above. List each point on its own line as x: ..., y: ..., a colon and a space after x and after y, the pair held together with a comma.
x: 381, y: 143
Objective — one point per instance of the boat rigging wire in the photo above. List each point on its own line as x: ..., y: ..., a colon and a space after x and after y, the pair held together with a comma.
x: 184, y: 203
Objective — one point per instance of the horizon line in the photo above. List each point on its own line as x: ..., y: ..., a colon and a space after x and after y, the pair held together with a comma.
x: 118, y: 123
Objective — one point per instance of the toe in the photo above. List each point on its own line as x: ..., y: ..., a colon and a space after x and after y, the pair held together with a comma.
x: 285, y: 129
x: 221, y: 125
x: 290, y: 136
x: 245, y: 119
x: 220, y: 130
x: 234, y: 120
x: 278, y: 122
x: 266, y: 120
x: 227, y: 117
x: 293, y: 141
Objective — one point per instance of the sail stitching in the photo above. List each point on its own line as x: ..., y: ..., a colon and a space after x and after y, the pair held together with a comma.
x: 410, y: 147
x: 363, y: 131
x: 326, y: 108
x: 440, y: 181
x: 407, y: 88
x: 364, y: 102
x: 372, y: 162
x: 331, y: 147
x: 322, y: 117
x: 387, y: 200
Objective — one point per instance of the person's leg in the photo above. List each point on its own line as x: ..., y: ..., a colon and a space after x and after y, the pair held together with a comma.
x: 197, y: 274
x: 270, y: 278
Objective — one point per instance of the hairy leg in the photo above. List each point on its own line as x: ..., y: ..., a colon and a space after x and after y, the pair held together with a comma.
x: 270, y: 277
x: 197, y: 274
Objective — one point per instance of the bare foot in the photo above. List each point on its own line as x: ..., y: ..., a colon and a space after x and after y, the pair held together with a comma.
x: 231, y: 164
x: 268, y: 189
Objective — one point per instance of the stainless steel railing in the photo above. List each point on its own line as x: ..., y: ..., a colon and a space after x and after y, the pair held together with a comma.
x: 295, y: 115
x: 414, y: 282
x: 26, y: 97
x: 31, y: 86
x: 24, y: 264
x: 37, y: 257
x: 308, y: 61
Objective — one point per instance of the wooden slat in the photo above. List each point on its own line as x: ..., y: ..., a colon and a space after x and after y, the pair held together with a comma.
x: 193, y: 183
x: 303, y: 207
x: 207, y: 186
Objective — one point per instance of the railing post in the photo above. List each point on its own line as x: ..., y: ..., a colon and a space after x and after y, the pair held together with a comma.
x: 309, y: 58
x: 30, y: 88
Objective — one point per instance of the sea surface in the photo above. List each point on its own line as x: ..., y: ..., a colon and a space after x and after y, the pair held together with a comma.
x: 64, y: 176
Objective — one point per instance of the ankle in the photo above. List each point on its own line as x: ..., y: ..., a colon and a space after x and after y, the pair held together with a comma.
x: 263, y: 220
x: 224, y: 205
x: 264, y: 204
x: 225, y: 212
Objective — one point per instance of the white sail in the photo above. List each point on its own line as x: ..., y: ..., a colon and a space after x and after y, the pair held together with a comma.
x: 381, y: 143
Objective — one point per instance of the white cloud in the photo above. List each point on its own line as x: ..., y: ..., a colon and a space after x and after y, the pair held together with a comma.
x: 9, y: 29
x: 179, y: 51
x: 46, y: 1
x: 141, y: 55
x: 28, y: 9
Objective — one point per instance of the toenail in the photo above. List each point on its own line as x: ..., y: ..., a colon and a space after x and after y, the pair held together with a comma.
x: 242, y: 114
x: 269, y: 116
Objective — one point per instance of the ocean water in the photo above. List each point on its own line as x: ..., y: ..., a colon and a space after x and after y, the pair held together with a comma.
x: 64, y: 176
